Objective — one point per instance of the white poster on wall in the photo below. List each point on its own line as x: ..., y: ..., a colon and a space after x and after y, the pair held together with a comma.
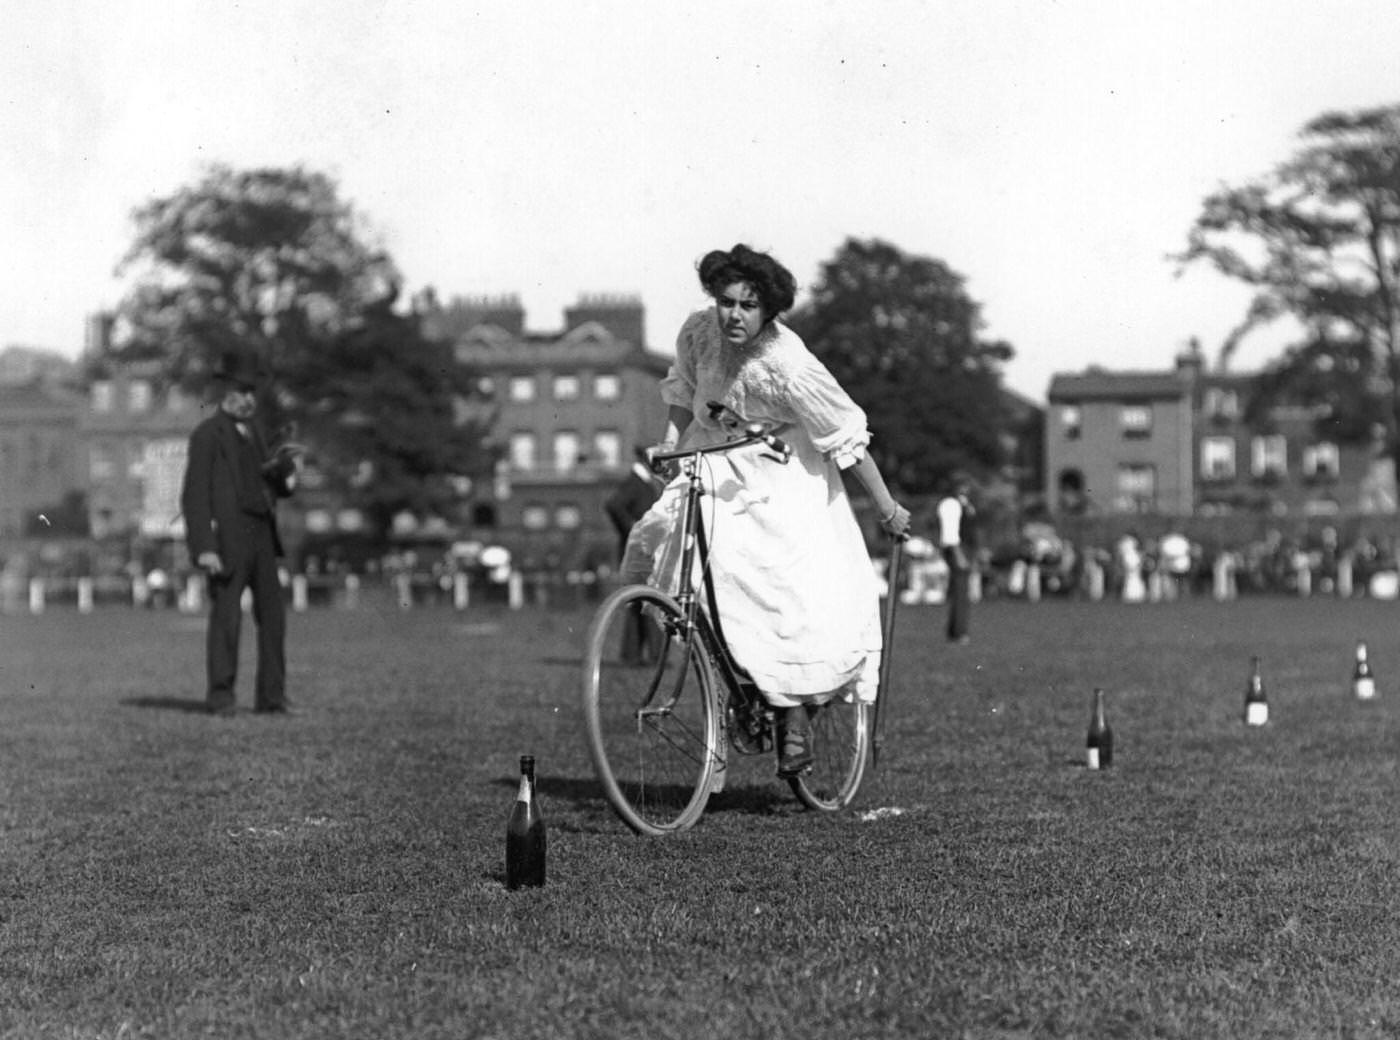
x: 162, y: 471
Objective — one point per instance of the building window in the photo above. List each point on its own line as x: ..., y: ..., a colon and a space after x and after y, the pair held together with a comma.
x: 136, y: 460
x: 1221, y: 403
x: 102, y: 396
x: 566, y: 388
x: 568, y: 517
x: 1137, y: 488
x: 138, y: 396
x: 1135, y: 420
x: 1217, y: 458
x: 607, y: 448
x: 1072, y: 421
x: 607, y: 387
x: 534, y: 517
x: 102, y: 463
x: 522, y: 388
x: 1322, y: 461
x: 522, y: 451
x: 565, y: 451
x: 1268, y: 457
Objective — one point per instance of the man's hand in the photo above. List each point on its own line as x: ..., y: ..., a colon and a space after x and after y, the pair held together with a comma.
x: 210, y: 563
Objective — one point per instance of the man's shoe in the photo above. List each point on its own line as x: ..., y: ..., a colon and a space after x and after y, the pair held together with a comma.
x: 222, y: 711
x: 276, y: 709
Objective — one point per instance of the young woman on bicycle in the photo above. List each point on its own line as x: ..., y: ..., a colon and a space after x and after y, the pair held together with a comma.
x: 797, y: 595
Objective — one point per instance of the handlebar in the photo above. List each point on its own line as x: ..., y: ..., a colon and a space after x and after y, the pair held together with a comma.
x: 754, y: 433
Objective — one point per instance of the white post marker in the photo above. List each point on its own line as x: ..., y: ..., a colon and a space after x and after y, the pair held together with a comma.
x: 36, y: 595
x: 1363, y: 682
x: 1256, y: 702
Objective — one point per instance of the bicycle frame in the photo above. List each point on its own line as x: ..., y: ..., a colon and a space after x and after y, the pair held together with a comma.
x: 703, y: 621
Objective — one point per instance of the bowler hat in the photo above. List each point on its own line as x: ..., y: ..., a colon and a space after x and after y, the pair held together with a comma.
x: 240, y: 368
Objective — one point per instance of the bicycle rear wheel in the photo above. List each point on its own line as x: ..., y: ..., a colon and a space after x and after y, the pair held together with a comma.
x: 840, y: 749
x: 652, y: 721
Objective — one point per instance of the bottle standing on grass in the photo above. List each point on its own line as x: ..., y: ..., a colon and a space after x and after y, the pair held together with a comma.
x: 1256, y: 704
x: 1363, y: 683
x: 525, y: 833
x: 1099, y: 747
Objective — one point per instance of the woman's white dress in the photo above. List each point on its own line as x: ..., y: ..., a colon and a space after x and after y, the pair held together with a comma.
x: 798, y: 597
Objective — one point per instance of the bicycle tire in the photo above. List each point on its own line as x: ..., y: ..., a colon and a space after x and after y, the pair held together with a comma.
x: 653, y: 728
x: 840, y: 751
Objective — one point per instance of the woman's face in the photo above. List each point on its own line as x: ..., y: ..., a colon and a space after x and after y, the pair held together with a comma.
x: 740, y: 314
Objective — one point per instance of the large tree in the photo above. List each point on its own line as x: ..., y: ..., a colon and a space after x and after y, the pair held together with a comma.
x: 269, y: 260
x: 902, y: 336
x: 1318, y: 239
x: 273, y: 261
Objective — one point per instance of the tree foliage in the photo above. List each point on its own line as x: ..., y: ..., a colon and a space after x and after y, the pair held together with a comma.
x: 1318, y: 239
x: 900, y: 333
x: 268, y: 260
x: 389, y: 413
x: 274, y: 262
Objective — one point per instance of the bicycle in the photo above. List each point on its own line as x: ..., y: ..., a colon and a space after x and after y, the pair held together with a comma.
x: 659, y: 731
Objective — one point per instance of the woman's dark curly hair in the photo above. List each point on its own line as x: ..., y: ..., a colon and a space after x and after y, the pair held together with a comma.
x: 771, y: 282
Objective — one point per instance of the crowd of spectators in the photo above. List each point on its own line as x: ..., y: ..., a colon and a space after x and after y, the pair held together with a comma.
x: 1040, y: 562
x: 1170, y: 566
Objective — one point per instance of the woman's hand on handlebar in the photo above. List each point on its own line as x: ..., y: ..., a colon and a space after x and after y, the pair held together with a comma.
x: 665, y: 469
x: 896, y: 522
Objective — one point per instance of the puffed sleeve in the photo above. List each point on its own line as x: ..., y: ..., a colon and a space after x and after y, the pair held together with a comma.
x: 678, y: 387
x: 836, y: 424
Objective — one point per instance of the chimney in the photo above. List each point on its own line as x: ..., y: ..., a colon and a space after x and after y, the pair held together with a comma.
x: 97, y: 334
x: 621, y: 314
x: 1189, y: 362
x: 465, y: 312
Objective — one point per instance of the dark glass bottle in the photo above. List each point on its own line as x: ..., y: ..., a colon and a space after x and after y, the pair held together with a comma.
x: 1099, y: 747
x: 1256, y: 703
x: 525, y: 833
x: 1363, y: 683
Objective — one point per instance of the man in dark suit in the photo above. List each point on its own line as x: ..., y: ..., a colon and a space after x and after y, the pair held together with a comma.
x: 229, y: 500
x: 625, y: 506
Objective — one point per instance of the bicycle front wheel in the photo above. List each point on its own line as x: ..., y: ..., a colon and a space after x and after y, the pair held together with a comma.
x: 650, y: 711
x: 840, y: 748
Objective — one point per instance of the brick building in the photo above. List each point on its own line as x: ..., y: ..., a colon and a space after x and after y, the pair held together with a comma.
x: 1179, y: 442
x: 131, y: 444
x: 569, y: 409
x: 38, y: 451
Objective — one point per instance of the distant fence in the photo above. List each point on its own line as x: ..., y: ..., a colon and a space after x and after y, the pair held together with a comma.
x: 516, y: 590
x: 922, y: 579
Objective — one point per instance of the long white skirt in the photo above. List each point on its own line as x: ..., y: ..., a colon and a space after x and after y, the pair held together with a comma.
x: 797, y: 593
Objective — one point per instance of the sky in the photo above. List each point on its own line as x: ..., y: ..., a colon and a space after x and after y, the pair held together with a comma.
x: 1052, y: 153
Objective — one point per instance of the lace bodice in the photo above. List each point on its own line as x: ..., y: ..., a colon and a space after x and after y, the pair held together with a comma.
x: 776, y: 379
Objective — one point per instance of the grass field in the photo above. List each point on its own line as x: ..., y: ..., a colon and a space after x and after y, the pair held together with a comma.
x: 339, y: 873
